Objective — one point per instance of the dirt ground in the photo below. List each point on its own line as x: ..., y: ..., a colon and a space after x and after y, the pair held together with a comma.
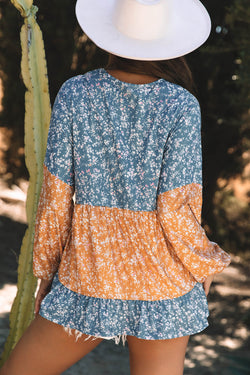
x: 222, y: 348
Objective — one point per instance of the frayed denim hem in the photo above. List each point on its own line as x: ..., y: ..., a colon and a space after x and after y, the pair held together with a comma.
x: 79, y: 334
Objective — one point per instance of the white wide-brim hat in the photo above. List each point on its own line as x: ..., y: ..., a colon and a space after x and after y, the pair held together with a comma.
x: 145, y: 29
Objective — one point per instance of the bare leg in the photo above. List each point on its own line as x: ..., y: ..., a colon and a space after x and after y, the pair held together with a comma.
x: 157, y: 357
x: 46, y: 349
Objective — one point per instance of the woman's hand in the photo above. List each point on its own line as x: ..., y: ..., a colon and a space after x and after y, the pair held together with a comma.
x: 43, y: 290
x: 206, y: 284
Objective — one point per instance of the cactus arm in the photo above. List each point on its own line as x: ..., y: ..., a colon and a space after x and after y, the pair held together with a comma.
x: 23, y: 6
x: 37, y: 116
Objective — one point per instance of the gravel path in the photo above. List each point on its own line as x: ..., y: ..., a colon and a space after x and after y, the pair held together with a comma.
x: 222, y: 348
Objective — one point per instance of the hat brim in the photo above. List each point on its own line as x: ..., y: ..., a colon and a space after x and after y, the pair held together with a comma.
x: 189, y: 28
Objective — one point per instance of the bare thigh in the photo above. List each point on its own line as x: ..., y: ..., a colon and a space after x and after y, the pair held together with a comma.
x: 46, y: 349
x: 157, y: 357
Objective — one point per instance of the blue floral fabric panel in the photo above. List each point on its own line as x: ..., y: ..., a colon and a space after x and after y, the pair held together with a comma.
x: 59, y: 153
x: 122, y: 144
x: 182, y: 160
x: 151, y: 320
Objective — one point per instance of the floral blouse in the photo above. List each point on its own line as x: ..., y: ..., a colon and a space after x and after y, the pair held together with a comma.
x: 119, y: 214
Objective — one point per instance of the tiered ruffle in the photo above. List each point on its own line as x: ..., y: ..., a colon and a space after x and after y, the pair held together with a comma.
x: 115, y: 318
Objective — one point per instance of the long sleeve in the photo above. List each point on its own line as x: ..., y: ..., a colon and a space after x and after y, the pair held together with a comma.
x: 179, y: 199
x: 55, y: 208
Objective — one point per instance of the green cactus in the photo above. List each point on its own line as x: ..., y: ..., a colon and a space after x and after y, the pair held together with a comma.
x: 37, y: 116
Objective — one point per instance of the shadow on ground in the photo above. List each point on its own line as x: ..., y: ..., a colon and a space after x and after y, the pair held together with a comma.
x: 11, y: 234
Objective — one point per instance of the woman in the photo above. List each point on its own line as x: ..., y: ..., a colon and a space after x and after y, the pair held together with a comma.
x: 126, y: 258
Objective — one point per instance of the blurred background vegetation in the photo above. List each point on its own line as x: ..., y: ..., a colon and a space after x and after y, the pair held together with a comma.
x: 221, y: 70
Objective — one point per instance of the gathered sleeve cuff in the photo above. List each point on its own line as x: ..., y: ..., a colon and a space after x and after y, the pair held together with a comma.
x: 53, y: 223
x: 179, y: 212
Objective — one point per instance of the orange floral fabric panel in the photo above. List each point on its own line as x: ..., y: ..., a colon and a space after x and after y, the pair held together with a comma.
x: 121, y: 254
x: 179, y: 212
x: 53, y: 225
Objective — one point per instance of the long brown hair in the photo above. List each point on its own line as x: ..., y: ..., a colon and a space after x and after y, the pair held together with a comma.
x: 174, y: 70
